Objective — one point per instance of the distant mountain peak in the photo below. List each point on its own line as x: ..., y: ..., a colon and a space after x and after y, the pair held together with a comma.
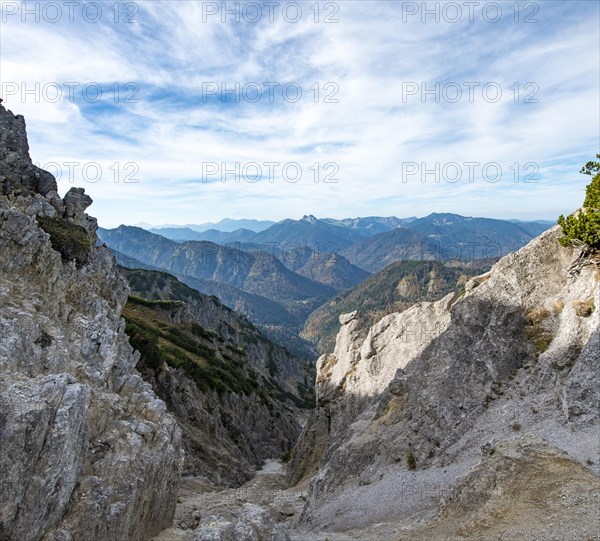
x: 309, y: 218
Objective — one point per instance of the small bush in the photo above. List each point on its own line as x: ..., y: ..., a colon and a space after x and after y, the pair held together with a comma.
x: 516, y: 426
x: 286, y: 457
x: 145, y: 341
x: 198, y: 330
x: 411, y: 461
x: 537, y: 315
x: 71, y: 241
x: 541, y: 344
x: 584, y: 308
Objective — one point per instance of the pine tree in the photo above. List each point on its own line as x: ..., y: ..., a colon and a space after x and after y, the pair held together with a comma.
x: 584, y: 225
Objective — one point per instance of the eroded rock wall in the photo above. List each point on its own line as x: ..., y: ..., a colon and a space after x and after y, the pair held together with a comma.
x: 414, y: 398
x: 88, y: 450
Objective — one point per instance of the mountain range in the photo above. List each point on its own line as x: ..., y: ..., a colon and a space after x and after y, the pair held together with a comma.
x: 373, y: 242
x: 443, y: 237
x: 253, y: 272
x: 227, y: 225
x: 320, y: 234
x: 182, y: 234
x: 256, y: 284
x: 278, y: 276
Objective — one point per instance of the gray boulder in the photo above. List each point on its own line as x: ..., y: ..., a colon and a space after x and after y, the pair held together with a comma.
x: 252, y: 523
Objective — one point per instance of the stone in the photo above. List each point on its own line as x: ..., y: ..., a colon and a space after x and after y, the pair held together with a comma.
x: 215, y: 528
x: 252, y: 523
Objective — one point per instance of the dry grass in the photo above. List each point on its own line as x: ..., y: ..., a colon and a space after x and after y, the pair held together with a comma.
x: 327, y: 369
x: 558, y: 306
x: 535, y: 329
x: 584, y: 308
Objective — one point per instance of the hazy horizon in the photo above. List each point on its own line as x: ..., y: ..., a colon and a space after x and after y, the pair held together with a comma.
x: 200, y: 223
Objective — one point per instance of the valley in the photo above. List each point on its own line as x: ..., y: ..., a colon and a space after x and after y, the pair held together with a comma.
x: 408, y: 384
x: 290, y: 275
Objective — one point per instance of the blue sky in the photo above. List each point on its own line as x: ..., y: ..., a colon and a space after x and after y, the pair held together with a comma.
x: 170, y: 122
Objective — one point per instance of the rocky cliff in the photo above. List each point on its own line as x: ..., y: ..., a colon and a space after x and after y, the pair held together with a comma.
x: 404, y: 408
x: 88, y: 450
x: 228, y: 328
x: 394, y: 289
x: 235, y: 394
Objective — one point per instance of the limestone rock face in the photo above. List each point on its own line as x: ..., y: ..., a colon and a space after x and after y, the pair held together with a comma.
x: 414, y: 398
x: 531, y: 489
x: 88, y: 450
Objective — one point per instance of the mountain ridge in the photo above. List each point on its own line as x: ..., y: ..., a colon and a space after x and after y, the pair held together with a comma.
x: 397, y: 287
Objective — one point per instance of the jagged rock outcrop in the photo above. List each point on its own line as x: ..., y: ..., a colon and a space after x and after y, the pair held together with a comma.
x: 16, y: 169
x: 411, y: 401
x: 88, y: 450
x: 394, y: 289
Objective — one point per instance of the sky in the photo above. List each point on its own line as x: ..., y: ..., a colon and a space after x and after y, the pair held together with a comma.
x: 189, y: 112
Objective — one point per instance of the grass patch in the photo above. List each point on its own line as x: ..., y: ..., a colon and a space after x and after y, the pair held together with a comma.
x: 558, y: 307
x: 71, y: 241
x: 134, y: 299
x: 535, y: 329
x: 179, y: 347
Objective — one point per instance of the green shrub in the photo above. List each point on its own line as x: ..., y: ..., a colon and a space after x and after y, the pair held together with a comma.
x: 134, y: 299
x: 71, y: 241
x: 584, y: 226
x: 198, y: 330
x: 145, y: 341
x: 411, y: 461
x: 286, y: 457
x: 536, y: 331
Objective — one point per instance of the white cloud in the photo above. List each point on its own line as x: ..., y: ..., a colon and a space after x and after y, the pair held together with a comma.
x: 369, y: 54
